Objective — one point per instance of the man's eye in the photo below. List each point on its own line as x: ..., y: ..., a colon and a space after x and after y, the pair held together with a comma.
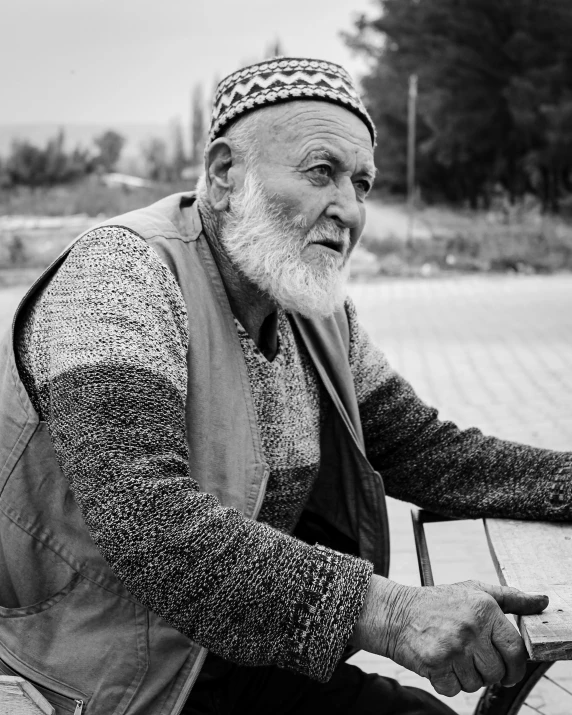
x: 363, y: 186
x: 323, y: 170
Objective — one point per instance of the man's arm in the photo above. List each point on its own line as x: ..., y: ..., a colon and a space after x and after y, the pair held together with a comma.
x: 103, y: 355
x: 440, y: 467
x: 455, y: 635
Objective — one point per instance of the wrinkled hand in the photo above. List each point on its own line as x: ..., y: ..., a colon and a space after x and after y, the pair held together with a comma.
x: 456, y: 635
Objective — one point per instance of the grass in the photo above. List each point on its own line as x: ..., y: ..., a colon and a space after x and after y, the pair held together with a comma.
x: 517, y: 240
x: 469, y: 241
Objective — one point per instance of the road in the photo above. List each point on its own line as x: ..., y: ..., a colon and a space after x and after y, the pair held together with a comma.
x: 491, y: 352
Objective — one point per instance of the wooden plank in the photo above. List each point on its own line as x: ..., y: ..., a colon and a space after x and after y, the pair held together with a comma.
x: 18, y: 697
x: 537, y: 557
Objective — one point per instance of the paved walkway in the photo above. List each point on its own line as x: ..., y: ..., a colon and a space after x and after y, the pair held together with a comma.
x: 492, y: 352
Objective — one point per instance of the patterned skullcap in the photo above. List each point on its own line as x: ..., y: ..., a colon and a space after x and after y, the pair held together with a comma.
x: 284, y: 79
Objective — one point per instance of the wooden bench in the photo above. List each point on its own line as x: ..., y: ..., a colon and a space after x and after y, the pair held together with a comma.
x: 533, y: 556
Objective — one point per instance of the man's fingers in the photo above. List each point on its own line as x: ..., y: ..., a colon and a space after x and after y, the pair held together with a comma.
x: 467, y: 675
x: 511, y: 600
x: 490, y: 666
x: 510, y: 646
x: 446, y: 684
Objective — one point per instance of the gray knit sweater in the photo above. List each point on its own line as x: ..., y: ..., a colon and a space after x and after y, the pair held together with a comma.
x: 102, y: 352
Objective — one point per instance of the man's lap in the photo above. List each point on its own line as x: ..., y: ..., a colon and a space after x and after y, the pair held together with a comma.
x: 265, y: 690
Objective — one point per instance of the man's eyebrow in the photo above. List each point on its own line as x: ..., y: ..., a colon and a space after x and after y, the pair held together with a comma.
x: 370, y: 172
x: 327, y: 155
x: 324, y: 154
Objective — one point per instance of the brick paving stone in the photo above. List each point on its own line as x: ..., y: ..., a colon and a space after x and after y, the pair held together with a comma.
x: 490, y: 352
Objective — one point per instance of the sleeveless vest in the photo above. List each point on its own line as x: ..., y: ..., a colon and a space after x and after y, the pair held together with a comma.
x: 66, y: 623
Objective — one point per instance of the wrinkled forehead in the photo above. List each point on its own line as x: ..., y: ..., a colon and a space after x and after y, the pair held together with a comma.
x: 291, y: 131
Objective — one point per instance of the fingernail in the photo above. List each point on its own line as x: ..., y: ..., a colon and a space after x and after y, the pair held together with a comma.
x: 536, y: 595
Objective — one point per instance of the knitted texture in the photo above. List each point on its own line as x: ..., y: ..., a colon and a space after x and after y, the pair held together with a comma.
x: 283, y: 80
x: 441, y: 468
x: 103, y: 354
x: 289, y: 403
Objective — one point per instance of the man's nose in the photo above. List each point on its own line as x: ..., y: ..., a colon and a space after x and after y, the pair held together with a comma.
x: 345, y: 208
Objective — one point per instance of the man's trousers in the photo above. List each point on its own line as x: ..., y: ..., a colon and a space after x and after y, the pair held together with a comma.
x: 239, y: 690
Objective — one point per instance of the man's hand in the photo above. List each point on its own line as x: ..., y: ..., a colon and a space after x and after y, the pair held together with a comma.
x: 456, y: 635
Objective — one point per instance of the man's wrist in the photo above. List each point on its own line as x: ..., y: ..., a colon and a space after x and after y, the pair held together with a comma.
x: 383, y: 613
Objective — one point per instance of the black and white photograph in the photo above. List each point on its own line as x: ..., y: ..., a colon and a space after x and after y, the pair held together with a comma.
x: 286, y: 357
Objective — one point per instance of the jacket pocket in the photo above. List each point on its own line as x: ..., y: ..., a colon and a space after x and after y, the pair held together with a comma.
x: 74, y: 703
x: 41, y: 605
x: 89, y: 641
x: 31, y: 574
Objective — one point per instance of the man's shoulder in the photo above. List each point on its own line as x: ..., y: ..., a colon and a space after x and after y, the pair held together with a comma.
x: 171, y: 217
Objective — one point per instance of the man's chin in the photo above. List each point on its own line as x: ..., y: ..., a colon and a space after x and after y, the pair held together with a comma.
x: 318, y: 298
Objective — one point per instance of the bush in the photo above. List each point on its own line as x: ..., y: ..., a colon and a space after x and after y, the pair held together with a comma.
x: 89, y: 196
x: 477, y: 241
x: 29, y: 165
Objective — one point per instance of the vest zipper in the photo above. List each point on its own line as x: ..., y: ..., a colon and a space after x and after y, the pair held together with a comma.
x: 59, y: 700
x: 188, y: 684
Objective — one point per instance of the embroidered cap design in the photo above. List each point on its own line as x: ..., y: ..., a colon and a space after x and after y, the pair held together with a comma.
x: 283, y: 80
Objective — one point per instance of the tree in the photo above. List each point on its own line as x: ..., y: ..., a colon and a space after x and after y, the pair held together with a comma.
x: 26, y: 164
x: 5, y: 180
x: 56, y: 162
x: 198, y: 130
x: 29, y: 165
x: 178, y: 158
x: 110, y: 145
x: 156, y: 159
x: 275, y: 49
x: 494, y: 79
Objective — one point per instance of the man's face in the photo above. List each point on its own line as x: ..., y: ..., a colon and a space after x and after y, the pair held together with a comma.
x: 316, y: 160
x: 298, y: 212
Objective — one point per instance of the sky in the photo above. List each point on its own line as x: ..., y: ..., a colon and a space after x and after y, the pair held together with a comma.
x: 130, y: 61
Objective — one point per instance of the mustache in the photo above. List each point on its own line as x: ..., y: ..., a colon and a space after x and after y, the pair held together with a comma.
x: 328, y: 232
x: 324, y: 228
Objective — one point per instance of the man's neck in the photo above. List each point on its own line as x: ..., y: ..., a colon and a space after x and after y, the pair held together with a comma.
x: 255, y: 311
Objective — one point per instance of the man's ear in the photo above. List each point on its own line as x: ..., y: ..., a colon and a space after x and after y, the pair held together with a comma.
x: 219, y: 161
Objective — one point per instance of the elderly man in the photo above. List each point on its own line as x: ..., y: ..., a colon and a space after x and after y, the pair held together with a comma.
x: 195, y: 435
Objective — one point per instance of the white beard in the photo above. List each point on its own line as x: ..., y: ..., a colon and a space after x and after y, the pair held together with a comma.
x: 266, y: 248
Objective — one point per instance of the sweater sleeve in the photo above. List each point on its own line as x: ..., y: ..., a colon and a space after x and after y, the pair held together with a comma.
x: 439, y: 467
x: 103, y: 353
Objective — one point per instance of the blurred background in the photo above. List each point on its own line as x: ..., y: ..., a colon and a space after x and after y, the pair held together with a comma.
x: 105, y: 106
x: 463, y: 272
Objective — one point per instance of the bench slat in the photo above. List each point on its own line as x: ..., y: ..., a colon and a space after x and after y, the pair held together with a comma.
x: 537, y: 557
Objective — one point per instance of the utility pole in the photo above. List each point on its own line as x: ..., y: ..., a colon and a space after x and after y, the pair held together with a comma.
x: 411, y: 127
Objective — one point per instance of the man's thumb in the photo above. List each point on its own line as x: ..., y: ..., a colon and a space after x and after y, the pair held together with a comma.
x: 511, y: 600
